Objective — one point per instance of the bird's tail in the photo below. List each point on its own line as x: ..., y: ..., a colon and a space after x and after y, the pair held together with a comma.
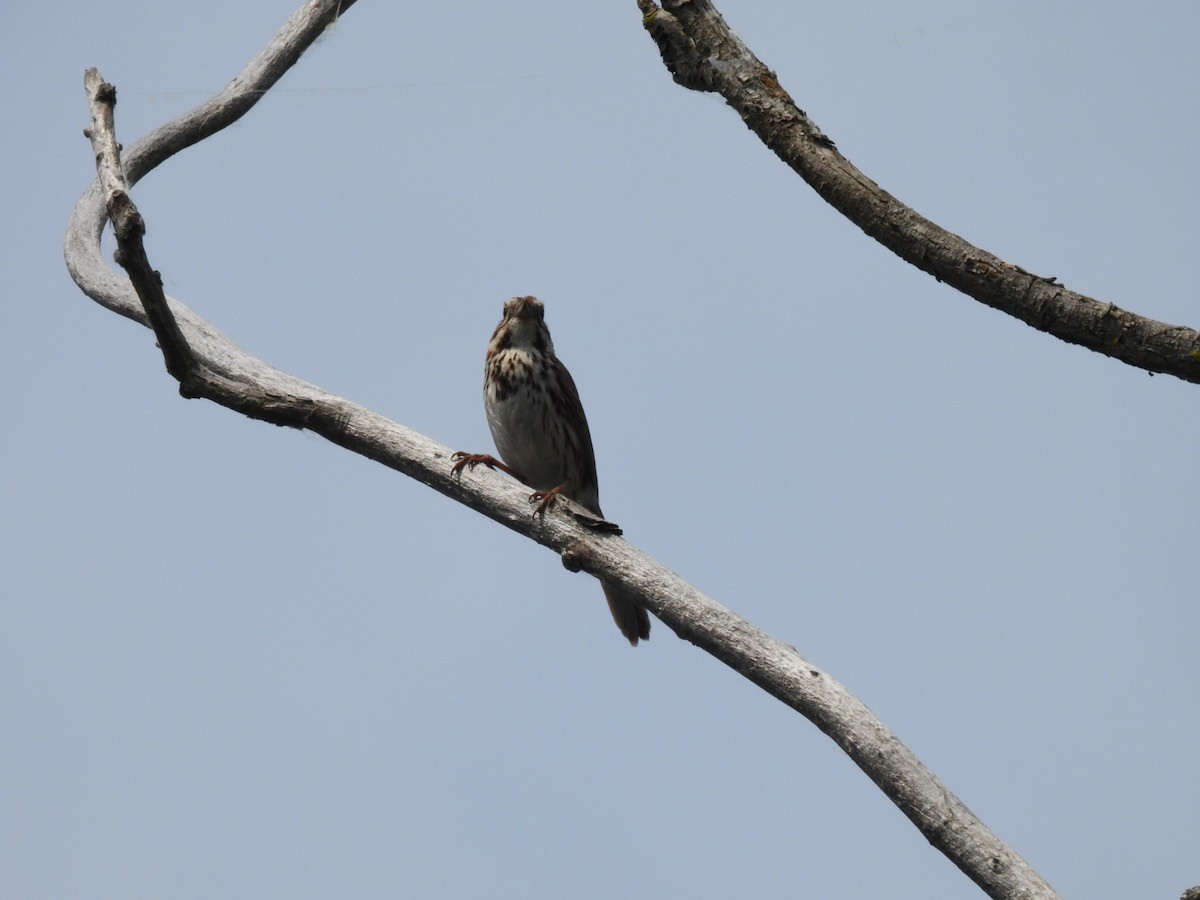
x: 633, y: 621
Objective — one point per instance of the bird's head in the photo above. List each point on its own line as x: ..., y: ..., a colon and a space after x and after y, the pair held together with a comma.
x: 523, y: 327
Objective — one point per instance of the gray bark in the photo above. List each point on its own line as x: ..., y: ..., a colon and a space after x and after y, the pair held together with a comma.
x: 703, y: 54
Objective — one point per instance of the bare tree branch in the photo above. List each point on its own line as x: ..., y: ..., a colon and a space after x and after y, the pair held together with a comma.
x: 82, y: 244
x: 209, y: 365
x: 703, y: 54
x: 129, y: 227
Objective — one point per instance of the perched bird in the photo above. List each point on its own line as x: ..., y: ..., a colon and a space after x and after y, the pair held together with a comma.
x: 540, y: 430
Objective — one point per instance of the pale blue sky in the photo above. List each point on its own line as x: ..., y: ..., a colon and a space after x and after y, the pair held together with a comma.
x: 238, y: 662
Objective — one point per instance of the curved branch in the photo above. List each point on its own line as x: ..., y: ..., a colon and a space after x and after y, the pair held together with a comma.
x: 82, y: 244
x: 702, y: 54
x: 209, y: 365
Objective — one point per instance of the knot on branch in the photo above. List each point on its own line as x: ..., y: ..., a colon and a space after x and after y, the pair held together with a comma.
x: 575, y: 557
x: 679, y: 53
x: 127, y: 222
x: 102, y: 90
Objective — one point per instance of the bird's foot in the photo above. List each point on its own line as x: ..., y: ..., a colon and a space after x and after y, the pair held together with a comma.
x: 545, y: 499
x: 471, y: 460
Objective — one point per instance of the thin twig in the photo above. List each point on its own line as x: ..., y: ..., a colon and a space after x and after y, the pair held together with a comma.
x: 129, y: 227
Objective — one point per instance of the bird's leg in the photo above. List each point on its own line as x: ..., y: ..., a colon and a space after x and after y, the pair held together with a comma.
x: 471, y: 460
x: 545, y: 499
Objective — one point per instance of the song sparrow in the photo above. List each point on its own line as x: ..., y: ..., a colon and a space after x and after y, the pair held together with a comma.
x: 538, y: 425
